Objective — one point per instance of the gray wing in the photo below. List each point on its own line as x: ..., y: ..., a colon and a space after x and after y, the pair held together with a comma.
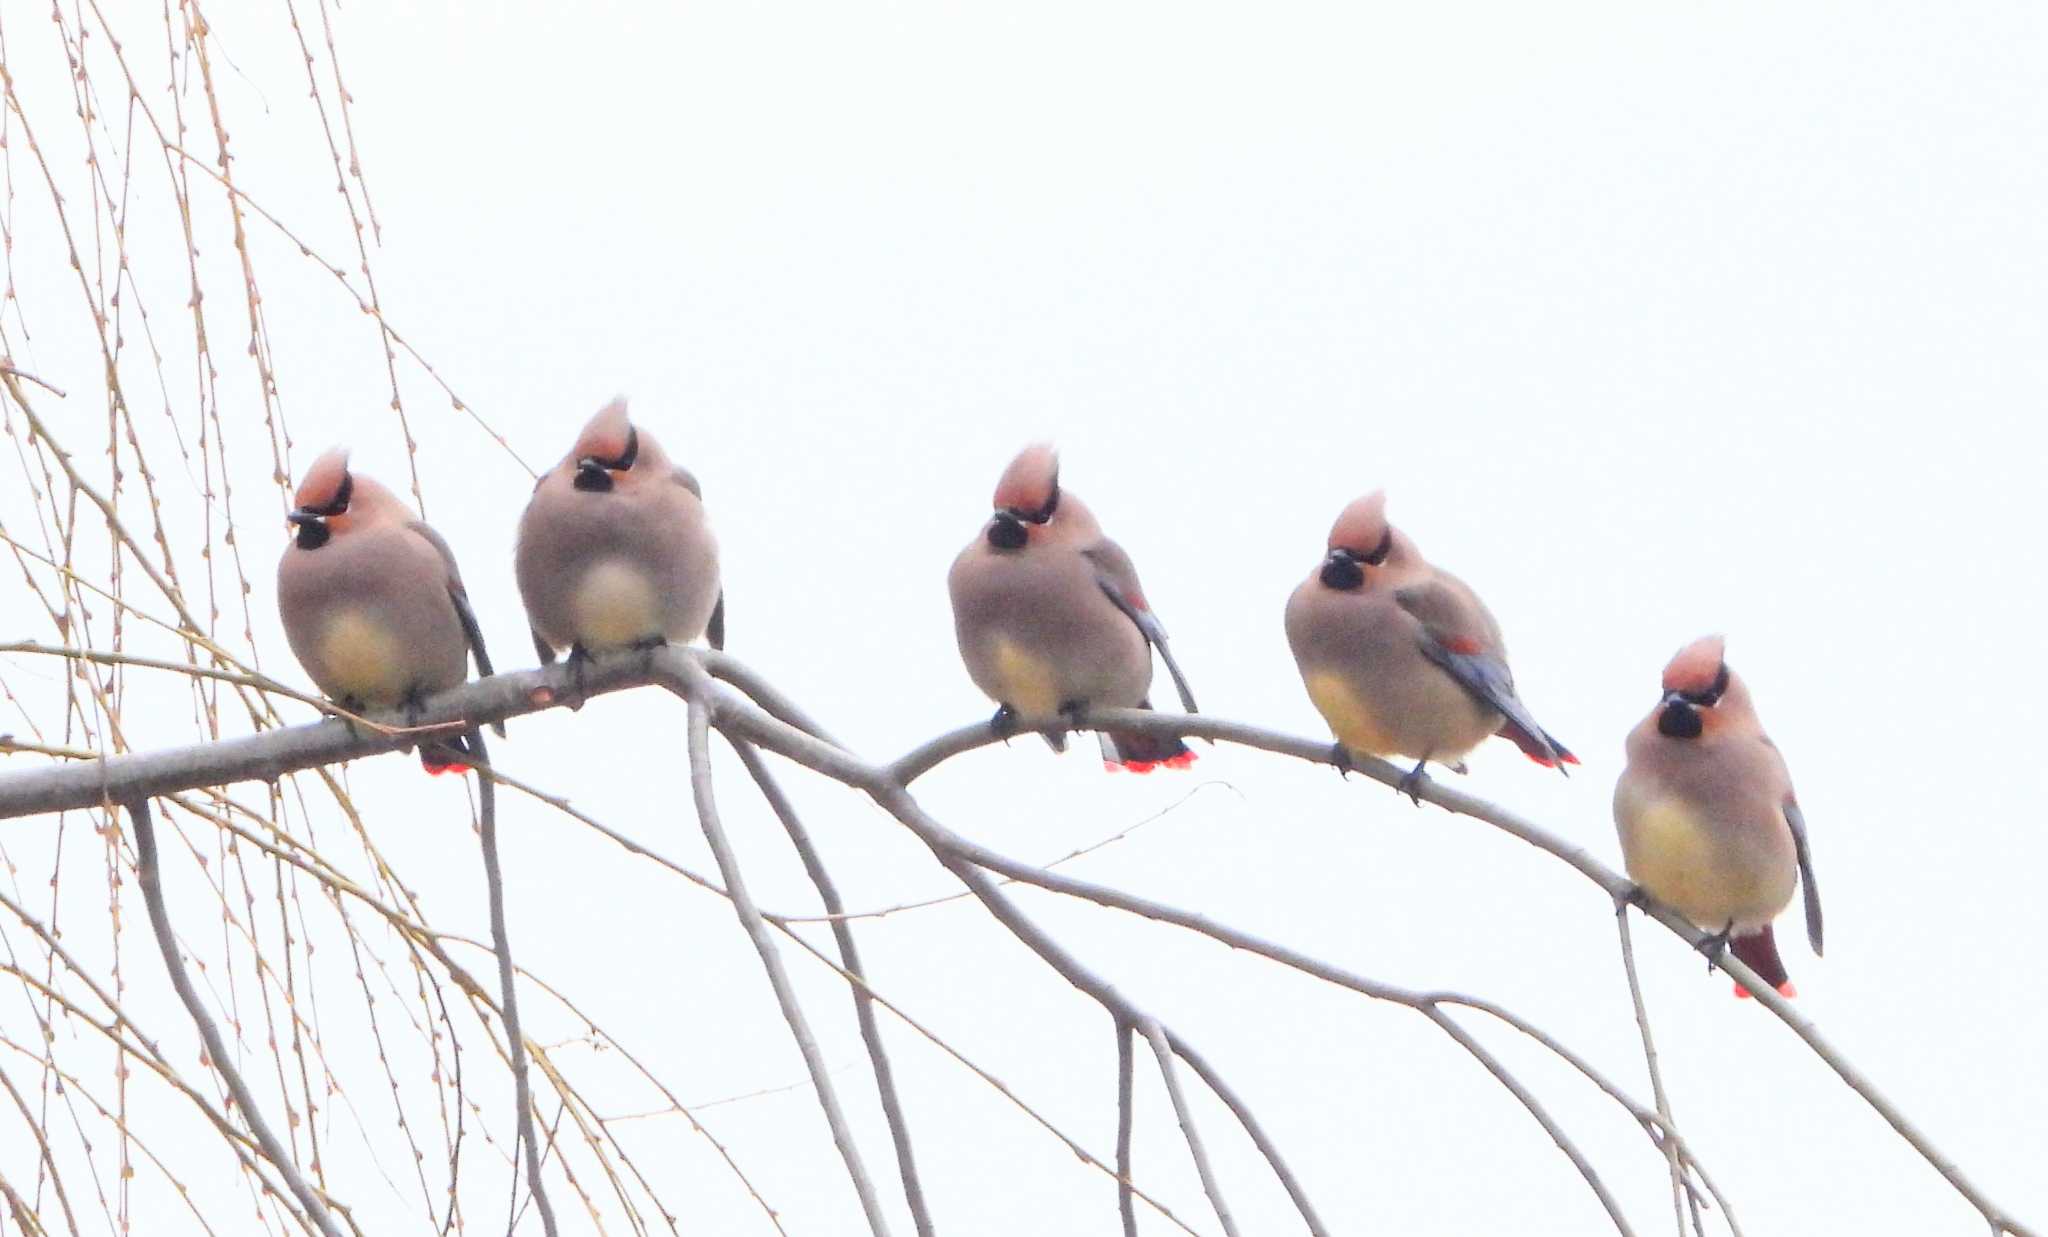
x: 1810, y: 891
x: 459, y: 596
x: 1456, y: 638
x: 1118, y: 578
x: 714, y: 631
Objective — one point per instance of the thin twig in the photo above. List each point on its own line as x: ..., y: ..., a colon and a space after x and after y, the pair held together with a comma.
x: 849, y: 957
x: 1163, y: 1052
x: 1635, y: 995
x: 771, y: 961
x: 1252, y: 1128
x: 151, y: 881
x: 1124, y: 1121
x: 515, y: 1039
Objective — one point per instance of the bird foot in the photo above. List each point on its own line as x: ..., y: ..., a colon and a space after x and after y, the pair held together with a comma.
x: 1715, y: 947
x: 578, y: 662
x: 647, y: 646
x: 1004, y: 724
x: 1340, y: 759
x: 1411, y: 782
x: 1634, y: 896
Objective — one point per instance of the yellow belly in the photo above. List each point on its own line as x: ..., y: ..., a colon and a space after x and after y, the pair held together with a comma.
x: 1349, y: 717
x: 615, y: 606
x: 364, y: 660
x: 1674, y: 853
x: 1028, y: 684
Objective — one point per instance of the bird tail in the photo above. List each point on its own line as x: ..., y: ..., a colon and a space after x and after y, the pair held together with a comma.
x: 451, y: 755
x: 1142, y: 753
x: 1537, y: 744
x: 1760, y: 954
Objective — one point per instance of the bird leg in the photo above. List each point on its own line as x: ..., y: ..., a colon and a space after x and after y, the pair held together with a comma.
x: 1340, y: 757
x: 1074, y: 711
x: 647, y: 646
x: 1715, y: 947
x: 579, y: 666
x: 1411, y: 781
x: 1004, y: 723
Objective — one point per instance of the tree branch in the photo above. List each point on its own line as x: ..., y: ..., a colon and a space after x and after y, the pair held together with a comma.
x: 771, y: 960
x: 515, y: 1039
x: 150, y: 879
x: 849, y: 958
x: 1150, y: 1029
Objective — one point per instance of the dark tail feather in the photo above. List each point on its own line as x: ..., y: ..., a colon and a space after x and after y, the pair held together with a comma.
x: 447, y: 755
x: 1142, y: 753
x: 1055, y: 740
x: 1760, y: 954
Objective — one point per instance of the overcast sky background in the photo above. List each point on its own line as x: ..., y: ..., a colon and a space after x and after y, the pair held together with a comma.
x: 1651, y: 321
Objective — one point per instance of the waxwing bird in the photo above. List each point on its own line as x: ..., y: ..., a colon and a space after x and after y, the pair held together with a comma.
x: 1051, y: 619
x: 614, y: 549
x: 372, y: 603
x: 1401, y: 658
x: 1709, y: 825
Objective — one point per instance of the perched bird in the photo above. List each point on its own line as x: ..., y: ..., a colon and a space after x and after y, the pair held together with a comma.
x: 1401, y: 658
x: 614, y: 551
x: 1051, y: 619
x: 1709, y: 825
x: 372, y: 603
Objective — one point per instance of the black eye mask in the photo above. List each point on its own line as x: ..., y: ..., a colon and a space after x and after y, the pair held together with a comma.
x: 594, y: 475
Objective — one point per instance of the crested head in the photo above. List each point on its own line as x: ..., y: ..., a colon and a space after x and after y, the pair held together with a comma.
x: 332, y: 499
x: 1697, y: 667
x: 606, y: 436
x: 1362, y: 526
x: 1030, y: 486
x: 321, y: 486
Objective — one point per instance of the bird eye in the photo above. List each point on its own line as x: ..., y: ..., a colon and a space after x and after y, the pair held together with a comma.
x: 1006, y: 532
x: 1052, y: 504
x: 1711, y: 696
x: 1342, y: 572
x: 1384, y: 548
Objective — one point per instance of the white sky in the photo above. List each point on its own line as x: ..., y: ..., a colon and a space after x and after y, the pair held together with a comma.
x: 1652, y: 323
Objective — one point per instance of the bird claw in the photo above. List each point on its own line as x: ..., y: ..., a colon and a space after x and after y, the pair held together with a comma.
x: 1340, y: 759
x: 1715, y: 947
x: 1635, y: 895
x: 647, y: 646
x: 578, y: 662
x: 1004, y: 724
x: 1411, y: 782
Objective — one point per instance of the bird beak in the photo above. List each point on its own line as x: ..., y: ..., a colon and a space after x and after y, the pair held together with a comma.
x: 303, y: 517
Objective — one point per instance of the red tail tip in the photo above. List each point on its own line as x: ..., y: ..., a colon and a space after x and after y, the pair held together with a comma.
x: 1141, y: 766
x: 1785, y: 990
x: 1181, y: 761
x: 438, y: 770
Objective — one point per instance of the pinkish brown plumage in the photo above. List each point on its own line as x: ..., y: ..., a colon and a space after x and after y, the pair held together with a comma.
x: 1051, y: 618
x: 1399, y: 656
x: 1708, y: 822
x: 614, y: 549
x: 372, y: 602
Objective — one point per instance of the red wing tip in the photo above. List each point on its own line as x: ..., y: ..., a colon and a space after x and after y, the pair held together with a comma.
x: 1462, y: 644
x: 1545, y: 761
x: 1568, y: 758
